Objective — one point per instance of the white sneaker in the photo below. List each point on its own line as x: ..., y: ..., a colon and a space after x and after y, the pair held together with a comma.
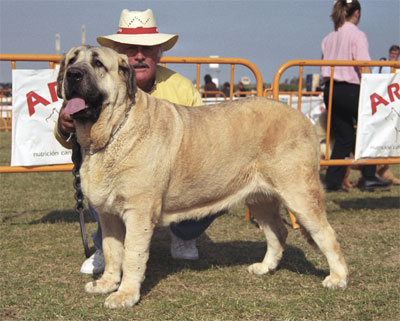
x: 94, y: 264
x: 183, y: 250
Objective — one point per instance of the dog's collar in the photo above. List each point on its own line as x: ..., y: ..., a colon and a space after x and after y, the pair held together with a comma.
x: 90, y: 152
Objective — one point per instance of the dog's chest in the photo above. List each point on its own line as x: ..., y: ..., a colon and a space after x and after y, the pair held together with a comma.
x: 97, y: 185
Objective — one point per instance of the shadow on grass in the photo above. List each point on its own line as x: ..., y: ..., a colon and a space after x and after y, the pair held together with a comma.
x: 221, y: 254
x: 372, y: 203
x: 69, y: 216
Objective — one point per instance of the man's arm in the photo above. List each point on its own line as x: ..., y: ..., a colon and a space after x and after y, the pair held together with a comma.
x: 64, y: 128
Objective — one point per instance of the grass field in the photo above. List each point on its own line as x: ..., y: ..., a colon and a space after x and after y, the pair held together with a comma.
x: 41, y: 253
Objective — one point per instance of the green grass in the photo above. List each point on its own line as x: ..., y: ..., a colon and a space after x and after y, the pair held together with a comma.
x: 41, y: 253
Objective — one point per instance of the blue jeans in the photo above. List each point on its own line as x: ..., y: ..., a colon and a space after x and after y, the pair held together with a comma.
x: 97, y: 236
x: 185, y: 230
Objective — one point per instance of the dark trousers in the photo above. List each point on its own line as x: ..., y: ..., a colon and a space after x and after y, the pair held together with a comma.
x: 191, y: 229
x: 185, y: 230
x: 344, y: 116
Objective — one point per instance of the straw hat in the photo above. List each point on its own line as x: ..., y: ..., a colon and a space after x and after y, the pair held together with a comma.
x: 138, y: 28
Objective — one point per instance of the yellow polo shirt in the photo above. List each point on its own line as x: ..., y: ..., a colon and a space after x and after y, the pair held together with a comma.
x: 175, y: 88
x: 170, y: 86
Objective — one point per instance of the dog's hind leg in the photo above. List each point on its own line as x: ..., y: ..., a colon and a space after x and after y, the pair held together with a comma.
x: 305, y: 201
x: 113, y: 231
x: 265, y: 211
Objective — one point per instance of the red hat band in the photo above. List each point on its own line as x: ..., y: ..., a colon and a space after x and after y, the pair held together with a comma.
x: 137, y: 31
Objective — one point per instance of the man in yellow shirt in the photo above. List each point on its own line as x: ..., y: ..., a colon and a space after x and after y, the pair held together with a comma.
x: 138, y: 38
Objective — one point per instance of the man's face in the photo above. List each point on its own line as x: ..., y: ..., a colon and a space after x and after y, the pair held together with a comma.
x: 144, y: 59
x: 394, y: 55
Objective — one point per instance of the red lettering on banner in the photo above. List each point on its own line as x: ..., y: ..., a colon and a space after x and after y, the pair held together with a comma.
x: 376, y: 99
x: 394, y: 89
x: 53, y: 91
x: 33, y: 99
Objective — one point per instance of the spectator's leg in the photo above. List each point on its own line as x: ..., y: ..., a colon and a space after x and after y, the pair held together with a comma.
x: 192, y: 229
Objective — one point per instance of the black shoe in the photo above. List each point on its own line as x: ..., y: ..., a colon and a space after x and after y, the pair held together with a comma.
x: 369, y: 184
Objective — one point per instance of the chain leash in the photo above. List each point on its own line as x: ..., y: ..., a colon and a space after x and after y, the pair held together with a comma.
x: 80, y: 206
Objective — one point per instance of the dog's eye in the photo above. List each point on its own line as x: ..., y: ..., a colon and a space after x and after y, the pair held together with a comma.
x: 71, y: 61
x: 98, y: 63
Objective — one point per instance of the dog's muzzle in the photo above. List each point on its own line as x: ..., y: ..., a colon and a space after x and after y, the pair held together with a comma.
x: 74, y: 75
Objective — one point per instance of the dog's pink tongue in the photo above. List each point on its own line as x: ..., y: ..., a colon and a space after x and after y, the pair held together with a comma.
x: 74, y: 105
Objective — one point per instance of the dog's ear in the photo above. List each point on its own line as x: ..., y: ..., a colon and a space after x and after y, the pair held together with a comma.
x: 60, y: 77
x: 128, y: 76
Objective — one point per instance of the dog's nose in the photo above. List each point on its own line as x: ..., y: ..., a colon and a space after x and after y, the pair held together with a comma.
x: 74, y: 74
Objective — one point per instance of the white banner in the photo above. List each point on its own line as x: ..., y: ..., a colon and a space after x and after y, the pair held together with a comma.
x: 311, y: 106
x: 35, y: 110
x: 378, y: 127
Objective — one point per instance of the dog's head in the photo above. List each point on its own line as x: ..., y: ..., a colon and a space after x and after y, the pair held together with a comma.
x: 91, y: 78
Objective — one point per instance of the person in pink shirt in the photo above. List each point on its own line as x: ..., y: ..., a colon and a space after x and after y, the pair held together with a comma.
x: 346, y: 42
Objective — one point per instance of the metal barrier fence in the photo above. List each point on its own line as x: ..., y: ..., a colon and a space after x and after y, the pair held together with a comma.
x: 198, y: 61
x: 333, y: 63
x: 53, y: 60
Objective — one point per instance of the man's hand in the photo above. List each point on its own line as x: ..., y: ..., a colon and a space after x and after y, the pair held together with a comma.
x: 65, y: 123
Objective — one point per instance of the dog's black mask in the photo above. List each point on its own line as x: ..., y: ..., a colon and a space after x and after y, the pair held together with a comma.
x: 80, y: 81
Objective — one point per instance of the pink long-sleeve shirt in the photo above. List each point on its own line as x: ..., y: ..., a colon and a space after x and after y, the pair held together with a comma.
x: 347, y: 43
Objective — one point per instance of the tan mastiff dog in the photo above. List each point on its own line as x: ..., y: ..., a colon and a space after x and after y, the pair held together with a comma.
x: 148, y: 162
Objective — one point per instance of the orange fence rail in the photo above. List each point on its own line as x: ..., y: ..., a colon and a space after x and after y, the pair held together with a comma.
x: 274, y: 92
x: 54, y: 60
x: 333, y: 63
x: 233, y: 62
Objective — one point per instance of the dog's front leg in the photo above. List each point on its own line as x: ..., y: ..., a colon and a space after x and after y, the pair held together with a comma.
x: 113, y: 229
x: 139, y: 230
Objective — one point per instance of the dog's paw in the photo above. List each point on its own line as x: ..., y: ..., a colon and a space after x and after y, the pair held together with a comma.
x: 260, y: 269
x: 121, y: 299
x: 335, y: 282
x: 101, y: 286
